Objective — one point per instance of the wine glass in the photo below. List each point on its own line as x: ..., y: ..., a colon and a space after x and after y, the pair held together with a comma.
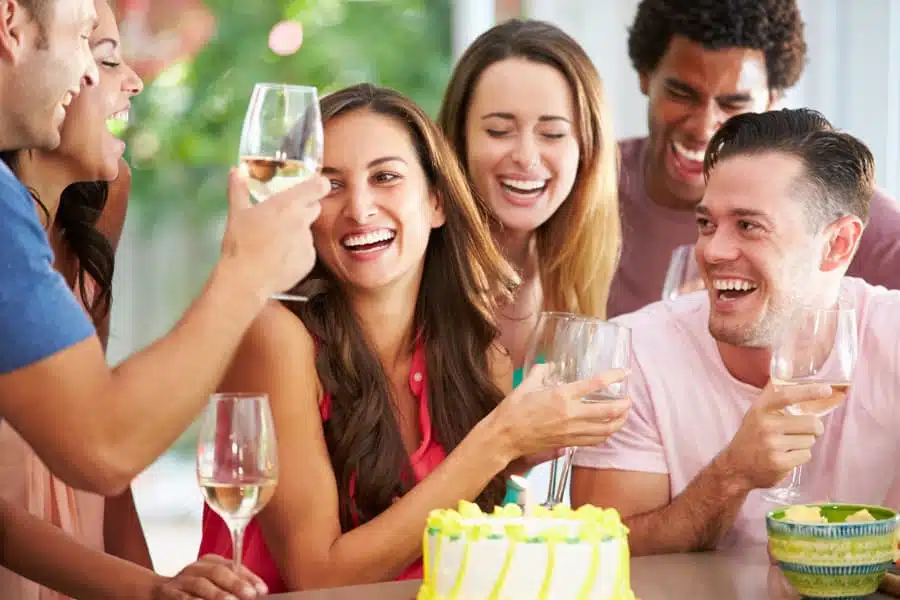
x: 281, y: 141
x: 818, y: 346
x: 594, y: 346
x: 237, y: 463
x: 683, y: 275
x: 546, y: 347
x: 574, y: 348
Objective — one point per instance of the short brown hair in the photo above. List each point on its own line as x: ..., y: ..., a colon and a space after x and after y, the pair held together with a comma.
x: 40, y: 12
x: 39, y: 9
x: 840, y: 169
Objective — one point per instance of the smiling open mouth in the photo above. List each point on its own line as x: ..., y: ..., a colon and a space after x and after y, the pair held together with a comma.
x: 371, y: 241
x: 526, y: 188
x: 734, y: 289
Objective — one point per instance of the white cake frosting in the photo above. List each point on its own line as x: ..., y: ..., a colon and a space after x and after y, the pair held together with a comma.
x: 557, y: 554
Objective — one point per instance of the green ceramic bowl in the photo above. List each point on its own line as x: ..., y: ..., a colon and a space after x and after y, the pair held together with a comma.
x: 836, y: 560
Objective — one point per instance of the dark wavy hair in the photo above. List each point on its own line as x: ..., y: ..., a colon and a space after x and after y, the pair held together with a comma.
x: 772, y: 26
x: 80, y: 206
x: 465, y: 279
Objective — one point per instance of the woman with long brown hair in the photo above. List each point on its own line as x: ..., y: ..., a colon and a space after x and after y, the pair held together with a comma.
x: 525, y: 112
x: 390, y: 393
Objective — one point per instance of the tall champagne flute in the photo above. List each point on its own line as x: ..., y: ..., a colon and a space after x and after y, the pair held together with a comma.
x: 595, y: 346
x: 683, y: 275
x: 282, y: 141
x: 237, y: 461
x: 818, y: 346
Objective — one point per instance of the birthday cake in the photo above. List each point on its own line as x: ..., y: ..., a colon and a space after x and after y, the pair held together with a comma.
x: 548, y: 554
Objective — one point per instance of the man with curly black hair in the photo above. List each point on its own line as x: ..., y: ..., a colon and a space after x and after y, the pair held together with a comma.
x: 701, y: 62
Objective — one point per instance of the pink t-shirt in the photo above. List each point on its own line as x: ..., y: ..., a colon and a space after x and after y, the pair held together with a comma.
x: 651, y: 232
x: 687, y: 407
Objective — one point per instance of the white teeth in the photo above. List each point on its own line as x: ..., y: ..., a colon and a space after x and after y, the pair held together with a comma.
x: 693, y: 155
x: 67, y: 99
x: 122, y: 115
x: 524, y: 186
x: 365, y: 239
x: 741, y: 285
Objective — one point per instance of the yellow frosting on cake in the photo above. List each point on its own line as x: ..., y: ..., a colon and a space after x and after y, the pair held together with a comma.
x: 469, y: 524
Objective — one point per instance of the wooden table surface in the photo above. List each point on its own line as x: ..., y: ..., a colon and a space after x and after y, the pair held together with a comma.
x: 702, y: 576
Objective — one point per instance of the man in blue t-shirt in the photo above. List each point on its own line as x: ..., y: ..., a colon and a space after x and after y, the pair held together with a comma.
x: 93, y: 426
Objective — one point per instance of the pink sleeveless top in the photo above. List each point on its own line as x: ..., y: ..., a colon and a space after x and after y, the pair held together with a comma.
x: 27, y: 483
x: 217, y: 539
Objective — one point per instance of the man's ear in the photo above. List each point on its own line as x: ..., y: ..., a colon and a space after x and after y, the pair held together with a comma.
x: 843, y: 241
x: 16, y: 25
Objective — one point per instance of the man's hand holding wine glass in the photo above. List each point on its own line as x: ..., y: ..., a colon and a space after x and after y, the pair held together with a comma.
x: 771, y: 442
x: 268, y: 247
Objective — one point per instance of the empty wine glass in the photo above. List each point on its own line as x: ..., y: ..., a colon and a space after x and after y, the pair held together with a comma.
x: 547, y: 346
x: 282, y: 141
x: 683, y: 275
x: 237, y: 461
x: 818, y: 346
x: 574, y: 348
x: 594, y: 346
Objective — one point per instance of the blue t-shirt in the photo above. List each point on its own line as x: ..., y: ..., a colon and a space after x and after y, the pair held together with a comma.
x: 39, y: 315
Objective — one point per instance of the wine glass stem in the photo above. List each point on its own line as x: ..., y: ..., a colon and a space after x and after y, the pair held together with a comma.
x: 795, y: 478
x: 551, y: 488
x: 237, y: 544
x: 563, y: 483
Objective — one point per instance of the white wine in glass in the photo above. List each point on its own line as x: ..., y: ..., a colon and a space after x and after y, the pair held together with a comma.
x: 282, y: 142
x: 817, y: 346
x: 237, y: 461
x: 268, y: 176
x: 282, y: 139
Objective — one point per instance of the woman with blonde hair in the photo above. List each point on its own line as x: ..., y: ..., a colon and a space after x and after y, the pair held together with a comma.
x: 526, y: 114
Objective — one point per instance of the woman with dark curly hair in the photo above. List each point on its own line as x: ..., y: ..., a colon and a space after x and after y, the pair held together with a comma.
x: 389, y: 390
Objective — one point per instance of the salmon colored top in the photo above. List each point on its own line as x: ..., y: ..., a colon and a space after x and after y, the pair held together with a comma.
x: 27, y: 483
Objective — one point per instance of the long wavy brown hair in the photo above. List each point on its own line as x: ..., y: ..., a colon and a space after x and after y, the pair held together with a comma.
x: 578, y: 247
x: 465, y: 279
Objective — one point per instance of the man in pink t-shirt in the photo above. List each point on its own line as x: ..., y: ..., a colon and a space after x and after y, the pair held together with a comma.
x: 783, y: 214
x: 700, y: 63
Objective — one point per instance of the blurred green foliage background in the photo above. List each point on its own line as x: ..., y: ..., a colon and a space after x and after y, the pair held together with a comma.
x: 187, y: 122
x: 186, y: 127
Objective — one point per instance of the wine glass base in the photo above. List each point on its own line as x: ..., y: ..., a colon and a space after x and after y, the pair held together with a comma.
x: 783, y: 496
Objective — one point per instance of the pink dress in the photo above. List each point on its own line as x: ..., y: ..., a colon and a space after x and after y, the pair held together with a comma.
x: 27, y: 483
x: 217, y: 539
